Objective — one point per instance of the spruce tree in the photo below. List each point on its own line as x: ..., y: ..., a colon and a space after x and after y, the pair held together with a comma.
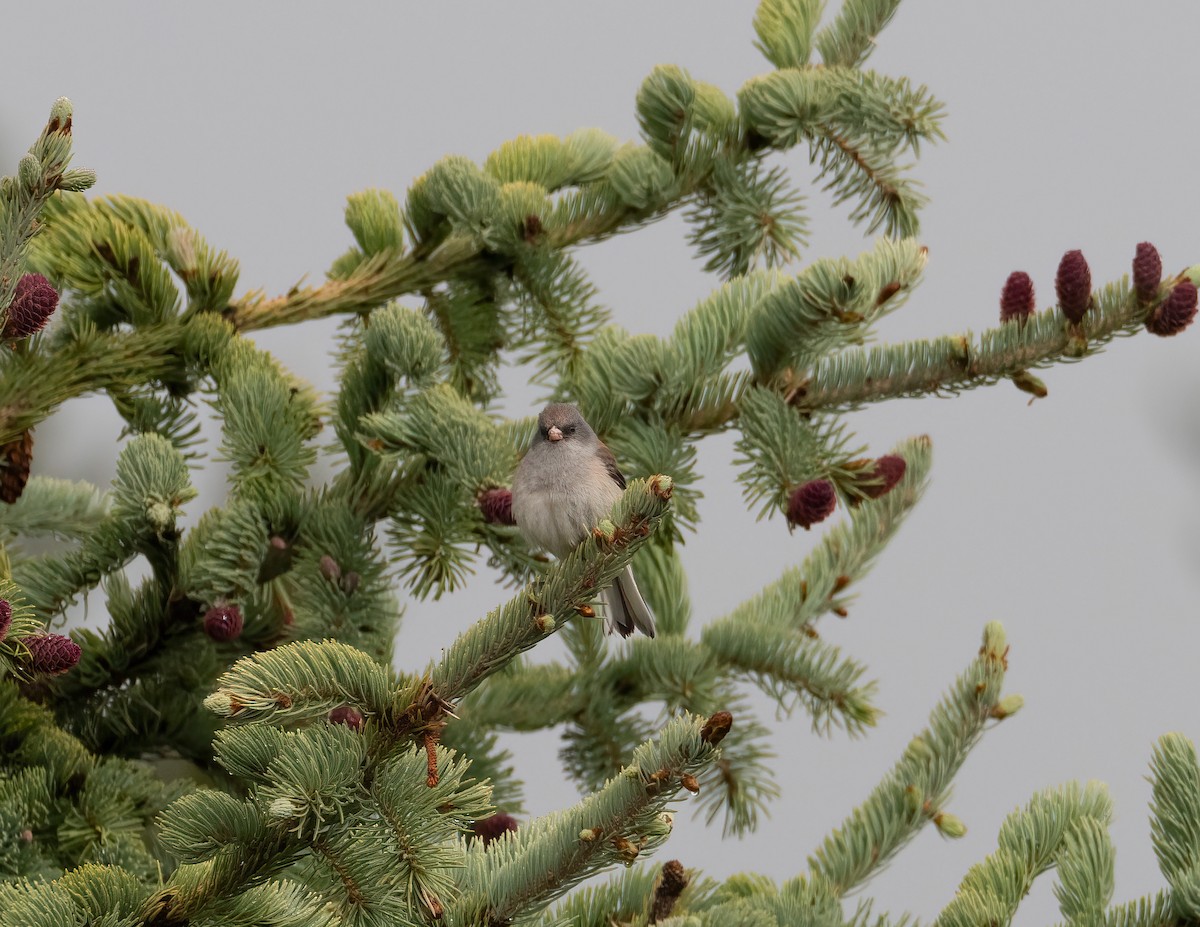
x: 332, y: 781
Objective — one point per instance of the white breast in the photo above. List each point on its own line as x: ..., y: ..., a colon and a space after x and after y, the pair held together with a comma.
x: 560, y: 492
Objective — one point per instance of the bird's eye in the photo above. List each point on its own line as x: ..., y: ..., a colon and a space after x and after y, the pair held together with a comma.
x: 544, y: 432
x: 569, y: 430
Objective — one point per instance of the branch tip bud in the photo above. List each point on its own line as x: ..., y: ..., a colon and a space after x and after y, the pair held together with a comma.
x: 29, y: 172
x: 61, y: 114
x: 1007, y: 707
x: 950, y: 825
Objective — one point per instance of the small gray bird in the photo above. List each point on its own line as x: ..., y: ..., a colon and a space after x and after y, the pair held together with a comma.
x: 566, y: 484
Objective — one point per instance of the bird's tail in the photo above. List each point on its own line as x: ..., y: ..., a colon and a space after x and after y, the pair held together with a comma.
x: 627, y: 610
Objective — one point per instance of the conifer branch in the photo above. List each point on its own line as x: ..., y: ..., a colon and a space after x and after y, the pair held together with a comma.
x: 384, y: 277
x: 568, y: 587
x: 1031, y: 842
x: 788, y: 665
x: 41, y: 173
x: 916, y: 789
x: 950, y: 364
x: 1175, y: 811
x: 519, y: 876
x: 33, y: 384
x: 850, y: 37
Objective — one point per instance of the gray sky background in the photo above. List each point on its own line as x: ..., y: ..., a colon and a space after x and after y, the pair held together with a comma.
x: 1072, y: 520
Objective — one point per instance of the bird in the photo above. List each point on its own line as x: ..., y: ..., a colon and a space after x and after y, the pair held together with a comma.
x: 565, y: 484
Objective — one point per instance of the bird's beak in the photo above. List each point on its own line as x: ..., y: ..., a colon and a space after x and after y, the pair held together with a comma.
x: 555, y: 433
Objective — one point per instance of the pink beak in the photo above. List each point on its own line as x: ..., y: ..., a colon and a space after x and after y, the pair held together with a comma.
x: 555, y: 433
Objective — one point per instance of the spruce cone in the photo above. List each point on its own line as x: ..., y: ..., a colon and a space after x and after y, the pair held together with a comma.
x: 811, y: 503
x: 223, y: 623
x: 499, y: 824
x: 347, y: 715
x: 5, y: 617
x: 1176, y: 313
x: 1017, y: 299
x: 890, y: 469
x: 33, y: 303
x: 51, y: 653
x: 496, y: 505
x: 1073, y: 284
x: 1147, y: 272
x: 15, y: 459
x: 670, y: 886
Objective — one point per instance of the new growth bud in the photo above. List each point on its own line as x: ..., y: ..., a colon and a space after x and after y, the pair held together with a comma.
x: 77, y: 180
x: 1017, y: 298
x: 29, y: 173
x: 1073, y: 284
x: 5, y: 617
x: 60, y: 116
x: 950, y: 825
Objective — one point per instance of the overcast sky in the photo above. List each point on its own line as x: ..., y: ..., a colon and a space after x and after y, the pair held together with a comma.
x: 1073, y: 520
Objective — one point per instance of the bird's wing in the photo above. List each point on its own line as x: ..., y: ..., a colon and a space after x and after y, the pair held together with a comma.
x: 610, y: 464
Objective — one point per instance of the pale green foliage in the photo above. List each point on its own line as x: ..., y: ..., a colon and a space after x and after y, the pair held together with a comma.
x: 779, y: 451
x: 785, y: 30
x: 521, y: 873
x: 751, y: 217
x: 1175, y: 824
x: 1030, y: 842
x: 316, y: 824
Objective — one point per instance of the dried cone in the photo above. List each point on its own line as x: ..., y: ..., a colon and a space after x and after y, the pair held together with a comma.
x: 670, y: 886
x: 889, y: 470
x: 5, y: 617
x: 496, y: 506
x: 1147, y: 272
x: 811, y: 503
x: 1017, y: 298
x: 1073, y: 284
x: 716, y: 727
x: 499, y: 824
x: 32, y: 305
x: 1176, y: 314
x: 223, y: 623
x: 347, y: 715
x: 51, y: 653
x: 16, y: 457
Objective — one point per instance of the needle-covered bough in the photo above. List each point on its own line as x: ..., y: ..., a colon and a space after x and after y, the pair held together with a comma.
x: 238, y: 741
